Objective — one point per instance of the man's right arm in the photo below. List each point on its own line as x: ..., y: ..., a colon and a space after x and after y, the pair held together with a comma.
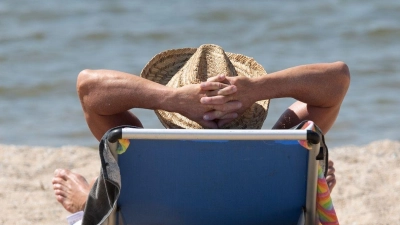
x: 107, y: 96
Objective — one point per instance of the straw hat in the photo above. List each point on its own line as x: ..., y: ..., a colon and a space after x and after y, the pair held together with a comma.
x: 178, y: 67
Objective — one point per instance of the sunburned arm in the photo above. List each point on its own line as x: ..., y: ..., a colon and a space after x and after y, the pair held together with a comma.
x: 323, y: 85
x: 318, y: 88
x: 108, y: 92
x: 107, y: 96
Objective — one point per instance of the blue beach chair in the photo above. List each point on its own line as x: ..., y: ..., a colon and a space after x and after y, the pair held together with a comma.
x: 205, y: 177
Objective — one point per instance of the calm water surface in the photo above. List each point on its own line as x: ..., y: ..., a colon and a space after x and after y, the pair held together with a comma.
x: 44, y: 45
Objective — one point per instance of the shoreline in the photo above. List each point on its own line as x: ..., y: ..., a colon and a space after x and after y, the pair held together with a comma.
x: 364, y: 194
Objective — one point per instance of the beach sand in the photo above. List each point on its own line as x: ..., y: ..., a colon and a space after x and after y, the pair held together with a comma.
x: 367, y: 182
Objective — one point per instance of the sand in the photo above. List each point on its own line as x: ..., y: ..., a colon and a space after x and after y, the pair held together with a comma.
x: 367, y: 176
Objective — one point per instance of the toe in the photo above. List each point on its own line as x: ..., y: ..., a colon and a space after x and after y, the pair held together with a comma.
x: 62, y: 173
x: 57, y: 180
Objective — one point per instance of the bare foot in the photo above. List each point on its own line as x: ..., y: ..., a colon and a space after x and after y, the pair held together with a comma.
x: 330, y: 176
x: 71, y: 190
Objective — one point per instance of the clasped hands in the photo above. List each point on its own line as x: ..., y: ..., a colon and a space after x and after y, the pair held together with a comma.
x: 216, y: 102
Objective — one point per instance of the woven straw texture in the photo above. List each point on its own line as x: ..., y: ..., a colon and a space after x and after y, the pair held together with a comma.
x: 179, y: 67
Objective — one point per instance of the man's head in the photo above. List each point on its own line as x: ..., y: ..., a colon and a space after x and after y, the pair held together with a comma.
x: 178, y: 67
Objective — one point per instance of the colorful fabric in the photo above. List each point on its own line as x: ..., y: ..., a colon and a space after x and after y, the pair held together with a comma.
x: 325, y: 210
x: 309, y: 125
x: 123, y: 144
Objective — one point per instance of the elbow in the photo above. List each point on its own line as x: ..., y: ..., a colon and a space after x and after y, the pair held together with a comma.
x: 343, y: 73
x: 342, y: 77
x: 85, y: 84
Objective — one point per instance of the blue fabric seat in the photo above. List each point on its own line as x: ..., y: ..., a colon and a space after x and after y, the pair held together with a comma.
x: 215, y: 176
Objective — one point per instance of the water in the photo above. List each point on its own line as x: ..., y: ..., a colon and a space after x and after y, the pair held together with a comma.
x: 44, y: 45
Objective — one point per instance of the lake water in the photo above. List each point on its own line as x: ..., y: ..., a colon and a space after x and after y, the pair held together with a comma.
x: 45, y: 44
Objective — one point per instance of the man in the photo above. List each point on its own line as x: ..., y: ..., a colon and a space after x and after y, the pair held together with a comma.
x: 203, y: 88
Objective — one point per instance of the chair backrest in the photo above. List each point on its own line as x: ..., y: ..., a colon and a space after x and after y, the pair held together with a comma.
x: 217, y: 177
